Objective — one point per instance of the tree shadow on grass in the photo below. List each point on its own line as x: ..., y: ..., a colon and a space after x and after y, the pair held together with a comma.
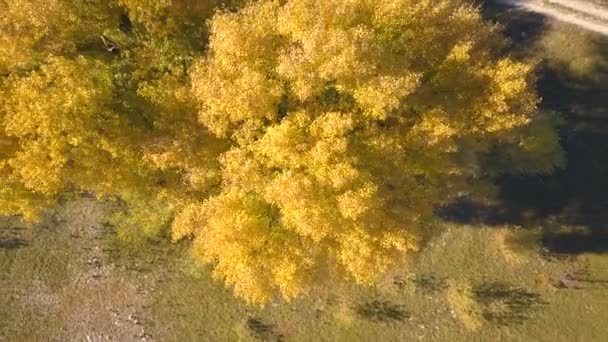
x: 382, y: 311
x: 579, y: 278
x: 574, y: 196
x: 506, y: 304
x: 263, y: 331
x: 521, y: 26
x: 576, y: 242
x: 426, y: 282
x: 430, y: 283
x: 12, y: 243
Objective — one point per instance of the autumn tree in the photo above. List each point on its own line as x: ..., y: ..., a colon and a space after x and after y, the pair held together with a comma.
x: 95, y: 97
x: 349, y: 122
x: 293, y: 142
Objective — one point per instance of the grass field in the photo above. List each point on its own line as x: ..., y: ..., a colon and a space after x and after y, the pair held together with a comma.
x: 534, y: 267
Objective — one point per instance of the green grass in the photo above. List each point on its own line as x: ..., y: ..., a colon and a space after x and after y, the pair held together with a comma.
x: 34, y: 262
x: 511, y: 290
x: 493, y: 276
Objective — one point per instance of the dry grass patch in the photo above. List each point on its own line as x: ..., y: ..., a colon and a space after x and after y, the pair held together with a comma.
x: 461, y: 298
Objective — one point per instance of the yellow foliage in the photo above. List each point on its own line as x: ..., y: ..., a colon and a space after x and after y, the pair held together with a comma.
x: 240, y: 234
x: 350, y: 121
x: 64, y: 131
x: 31, y: 29
x: 299, y: 141
x: 163, y: 17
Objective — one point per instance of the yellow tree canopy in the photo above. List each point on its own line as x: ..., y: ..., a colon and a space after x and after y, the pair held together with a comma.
x: 350, y: 121
x: 77, y: 117
x: 294, y: 142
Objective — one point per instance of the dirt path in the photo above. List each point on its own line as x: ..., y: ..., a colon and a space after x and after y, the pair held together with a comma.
x: 99, y: 303
x: 582, y: 7
x: 58, y: 281
x: 583, y: 14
